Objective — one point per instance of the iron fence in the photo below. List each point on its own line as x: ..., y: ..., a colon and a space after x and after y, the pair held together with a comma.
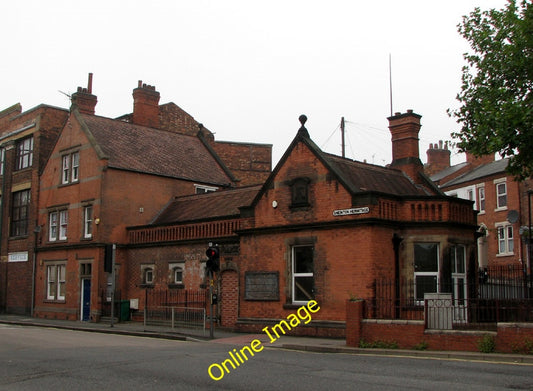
x: 176, y: 308
x: 496, y: 294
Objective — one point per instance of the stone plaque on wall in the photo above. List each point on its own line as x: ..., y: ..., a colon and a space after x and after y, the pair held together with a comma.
x: 261, y: 285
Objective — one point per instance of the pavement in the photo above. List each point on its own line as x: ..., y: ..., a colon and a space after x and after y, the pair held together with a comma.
x: 310, y: 344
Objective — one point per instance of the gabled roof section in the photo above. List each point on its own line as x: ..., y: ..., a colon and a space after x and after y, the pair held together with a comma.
x: 219, y: 204
x: 152, y: 151
x: 492, y: 168
x: 356, y: 177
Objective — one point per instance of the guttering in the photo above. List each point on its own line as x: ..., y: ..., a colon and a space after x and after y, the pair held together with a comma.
x: 17, y: 131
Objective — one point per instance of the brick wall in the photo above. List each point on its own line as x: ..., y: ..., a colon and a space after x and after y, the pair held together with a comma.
x: 229, y: 298
x: 250, y: 163
x: 509, y: 337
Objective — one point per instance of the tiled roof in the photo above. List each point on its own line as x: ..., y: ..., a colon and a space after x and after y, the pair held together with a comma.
x: 364, y: 177
x: 495, y: 167
x: 447, y: 171
x: 212, y: 205
x: 153, y: 151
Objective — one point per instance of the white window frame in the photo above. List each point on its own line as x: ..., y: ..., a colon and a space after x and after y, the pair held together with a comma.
x: 498, y: 183
x: 432, y: 273
x: 505, y: 237
x: 57, y: 225
x: 201, y: 189
x: 174, y: 269
x: 147, y: 274
x: 88, y: 221
x: 70, y: 168
x: 56, y: 281
x: 481, y: 199
x: 24, y: 154
x: 296, y: 275
x: 2, y: 158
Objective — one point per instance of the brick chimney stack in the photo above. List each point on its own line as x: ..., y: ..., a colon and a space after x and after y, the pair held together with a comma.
x: 84, y: 99
x: 146, y: 105
x: 404, y: 130
x: 438, y: 157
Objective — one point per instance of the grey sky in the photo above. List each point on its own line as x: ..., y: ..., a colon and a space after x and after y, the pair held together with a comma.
x: 248, y: 69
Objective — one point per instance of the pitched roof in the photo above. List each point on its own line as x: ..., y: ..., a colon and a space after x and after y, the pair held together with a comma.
x: 447, y: 171
x: 212, y: 205
x: 364, y: 177
x: 356, y: 177
x: 152, y: 151
x: 484, y: 170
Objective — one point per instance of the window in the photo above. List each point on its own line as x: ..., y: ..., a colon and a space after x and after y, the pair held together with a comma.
x: 501, y: 195
x: 85, y: 269
x: 88, y: 222
x: 178, y: 275
x: 24, y: 154
x: 426, y: 269
x: 70, y: 168
x: 2, y: 158
x: 302, y: 274
x: 55, y: 282
x: 201, y: 189
x: 481, y: 197
x: 505, y: 239
x: 147, y: 273
x: 300, y: 192
x: 58, y: 222
x: 19, y: 214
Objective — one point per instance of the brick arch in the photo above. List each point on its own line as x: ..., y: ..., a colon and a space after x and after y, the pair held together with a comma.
x: 229, y: 297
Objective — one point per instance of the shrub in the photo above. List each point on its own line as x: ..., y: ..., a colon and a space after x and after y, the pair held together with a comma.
x: 486, y: 344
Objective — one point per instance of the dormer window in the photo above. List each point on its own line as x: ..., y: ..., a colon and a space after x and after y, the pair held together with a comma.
x: 300, y: 193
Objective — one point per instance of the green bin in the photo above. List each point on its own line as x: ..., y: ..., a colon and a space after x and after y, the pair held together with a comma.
x: 124, y: 310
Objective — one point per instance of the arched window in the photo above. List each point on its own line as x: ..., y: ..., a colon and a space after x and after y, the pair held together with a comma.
x: 148, y: 275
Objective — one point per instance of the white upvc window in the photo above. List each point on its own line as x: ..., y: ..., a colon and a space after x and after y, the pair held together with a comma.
x: 88, y: 222
x: 426, y: 269
x: 58, y: 224
x: 501, y: 193
x: 481, y: 199
x: 70, y: 168
x: 55, y: 281
x: 505, y: 239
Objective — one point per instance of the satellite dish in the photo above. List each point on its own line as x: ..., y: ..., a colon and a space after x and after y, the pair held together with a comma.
x: 512, y: 216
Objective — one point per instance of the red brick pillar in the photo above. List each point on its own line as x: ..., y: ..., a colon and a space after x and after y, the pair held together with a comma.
x: 229, y: 298
x: 354, y: 318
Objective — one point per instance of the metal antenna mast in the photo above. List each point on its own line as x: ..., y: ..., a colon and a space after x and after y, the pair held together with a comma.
x: 342, y: 138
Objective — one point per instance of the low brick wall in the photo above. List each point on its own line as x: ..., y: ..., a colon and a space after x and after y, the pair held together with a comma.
x: 408, y: 334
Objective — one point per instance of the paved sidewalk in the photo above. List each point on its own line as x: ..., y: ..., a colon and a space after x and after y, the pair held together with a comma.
x: 310, y: 344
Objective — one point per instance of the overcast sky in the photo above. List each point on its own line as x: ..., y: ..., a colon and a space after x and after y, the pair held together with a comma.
x: 247, y: 69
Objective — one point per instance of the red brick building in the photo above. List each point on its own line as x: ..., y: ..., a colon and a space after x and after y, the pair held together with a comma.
x: 104, y: 175
x: 26, y: 140
x: 501, y: 202
x: 321, y: 227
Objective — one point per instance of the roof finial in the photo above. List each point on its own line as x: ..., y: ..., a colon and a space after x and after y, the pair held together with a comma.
x: 302, y: 119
